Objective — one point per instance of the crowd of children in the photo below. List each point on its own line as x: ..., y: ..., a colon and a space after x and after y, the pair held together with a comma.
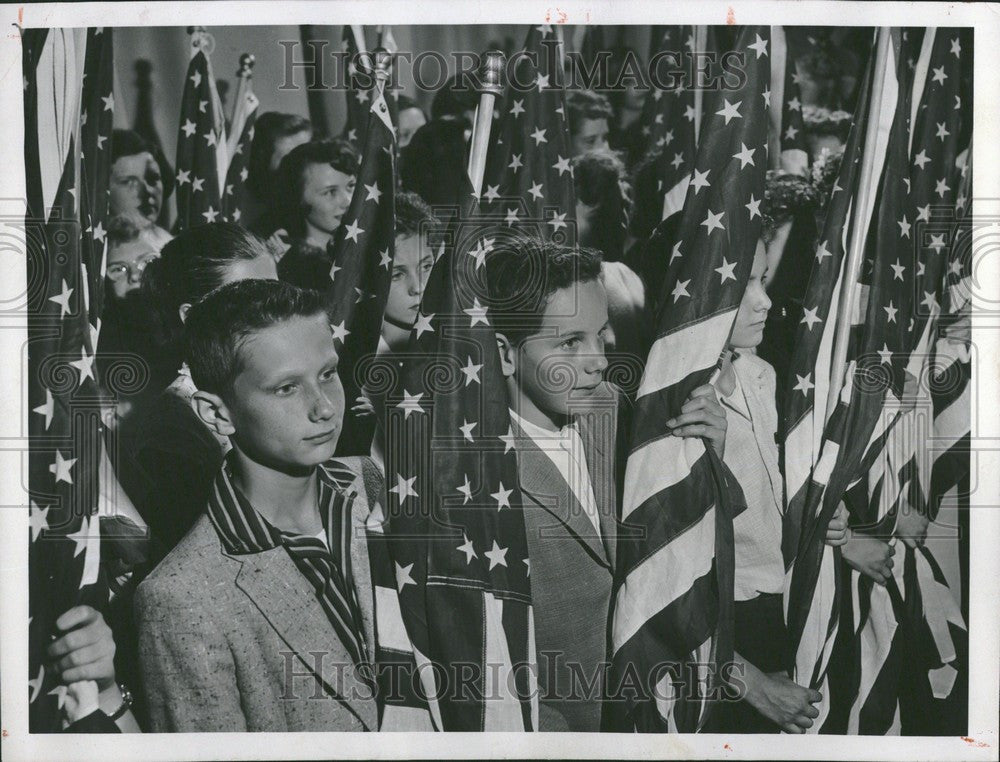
x: 256, y: 588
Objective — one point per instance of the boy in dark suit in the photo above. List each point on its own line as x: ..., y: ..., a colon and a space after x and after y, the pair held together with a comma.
x: 550, y: 311
x: 262, y: 617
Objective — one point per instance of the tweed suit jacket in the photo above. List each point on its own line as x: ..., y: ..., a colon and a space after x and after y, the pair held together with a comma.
x: 572, y: 572
x: 241, y: 643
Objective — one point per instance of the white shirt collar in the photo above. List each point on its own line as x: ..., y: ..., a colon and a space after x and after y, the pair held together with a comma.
x: 538, y: 433
x: 569, y: 459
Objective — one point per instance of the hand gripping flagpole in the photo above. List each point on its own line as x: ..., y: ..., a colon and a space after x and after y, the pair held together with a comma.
x: 491, y: 89
x: 866, y: 189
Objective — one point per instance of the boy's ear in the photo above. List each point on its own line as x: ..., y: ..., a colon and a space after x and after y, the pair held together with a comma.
x: 182, y: 311
x: 508, y: 357
x: 213, y: 412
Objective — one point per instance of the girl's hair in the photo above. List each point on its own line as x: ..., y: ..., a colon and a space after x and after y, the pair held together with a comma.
x: 335, y: 152
x: 191, y: 266
x: 647, y: 183
x: 131, y: 143
x: 600, y: 180
x: 434, y: 162
x: 268, y: 129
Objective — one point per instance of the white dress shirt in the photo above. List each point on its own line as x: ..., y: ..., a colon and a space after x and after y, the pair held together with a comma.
x: 752, y: 455
x: 565, y: 449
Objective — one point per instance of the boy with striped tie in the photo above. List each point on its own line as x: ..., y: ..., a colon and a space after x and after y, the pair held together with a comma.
x: 266, y: 605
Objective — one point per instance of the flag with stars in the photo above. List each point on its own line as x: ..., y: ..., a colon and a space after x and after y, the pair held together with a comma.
x: 898, y: 481
x: 935, y: 132
x: 360, y: 86
x: 97, y: 114
x: 934, y: 696
x: 675, y: 600
x: 805, y: 404
x: 201, y: 145
x: 455, y: 527
x: 669, y: 121
x: 529, y: 172
x: 64, y: 415
x: 234, y: 194
x: 792, y: 138
x: 903, y: 476
x: 821, y: 597
x: 363, y: 252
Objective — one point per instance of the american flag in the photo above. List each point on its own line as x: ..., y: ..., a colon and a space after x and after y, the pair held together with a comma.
x: 812, y: 620
x: 360, y: 85
x: 363, y: 253
x: 201, y: 143
x: 234, y: 193
x: 670, y: 117
x: 792, y: 138
x: 901, y: 476
x: 455, y: 527
x: 64, y: 422
x: 933, y: 700
x: 529, y: 172
x: 97, y: 114
x: 819, y: 598
x: 675, y: 599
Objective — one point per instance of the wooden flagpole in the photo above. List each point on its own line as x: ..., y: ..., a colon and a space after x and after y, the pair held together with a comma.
x: 492, y: 88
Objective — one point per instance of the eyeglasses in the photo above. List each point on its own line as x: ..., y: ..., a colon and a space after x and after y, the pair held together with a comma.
x: 122, y: 270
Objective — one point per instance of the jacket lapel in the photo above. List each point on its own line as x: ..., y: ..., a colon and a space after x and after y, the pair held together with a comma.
x: 280, y: 592
x: 361, y: 565
x: 598, y: 429
x: 542, y: 483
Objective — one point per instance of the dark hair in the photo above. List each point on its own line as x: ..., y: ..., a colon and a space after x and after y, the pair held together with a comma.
x: 122, y: 229
x: 218, y: 326
x: 786, y: 197
x: 413, y: 215
x: 131, y: 143
x: 523, y: 272
x: 336, y: 152
x: 648, y: 190
x: 128, y: 143
x: 404, y: 102
x: 454, y: 98
x: 267, y: 130
x: 192, y: 265
x: 600, y: 181
x: 586, y: 104
x: 306, y: 266
x: 433, y: 164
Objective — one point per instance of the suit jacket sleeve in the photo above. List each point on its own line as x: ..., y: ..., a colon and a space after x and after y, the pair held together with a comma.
x: 189, y: 675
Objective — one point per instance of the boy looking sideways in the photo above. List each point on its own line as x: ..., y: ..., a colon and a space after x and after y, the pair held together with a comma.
x: 550, y: 312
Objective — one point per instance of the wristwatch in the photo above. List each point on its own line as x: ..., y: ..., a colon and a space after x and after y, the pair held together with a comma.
x: 126, y: 702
